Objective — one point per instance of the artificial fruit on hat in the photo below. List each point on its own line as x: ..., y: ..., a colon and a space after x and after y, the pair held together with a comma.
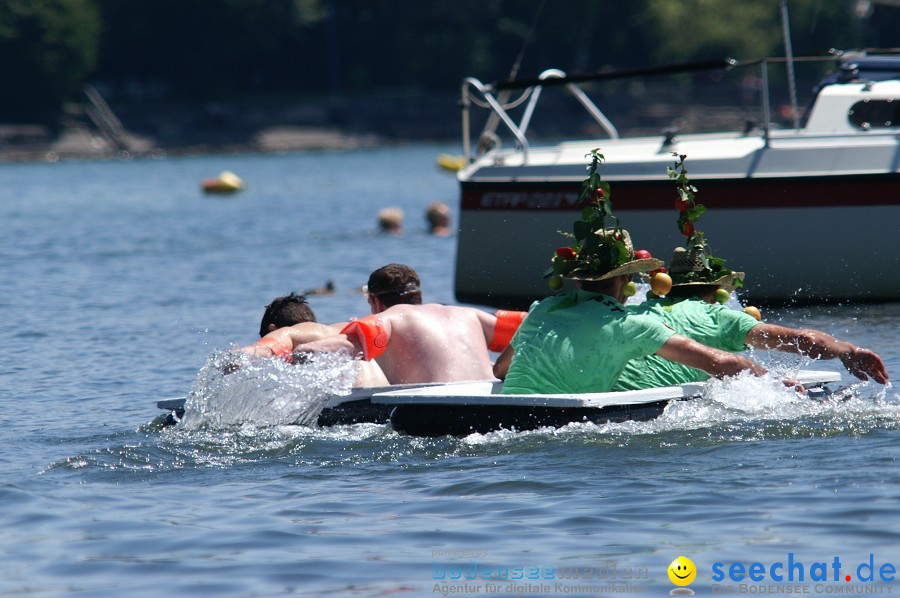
x: 661, y: 283
x: 753, y: 311
x: 566, y: 253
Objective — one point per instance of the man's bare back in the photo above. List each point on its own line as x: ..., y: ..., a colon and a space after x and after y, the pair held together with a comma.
x: 416, y: 343
x: 436, y: 343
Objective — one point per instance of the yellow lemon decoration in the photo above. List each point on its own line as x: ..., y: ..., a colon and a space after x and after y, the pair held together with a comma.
x: 629, y: 289
x: 682, y: 571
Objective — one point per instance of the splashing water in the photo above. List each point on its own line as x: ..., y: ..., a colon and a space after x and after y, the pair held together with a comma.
x: 266, y: 392
x: 643, y: 288
x: 739, y: 408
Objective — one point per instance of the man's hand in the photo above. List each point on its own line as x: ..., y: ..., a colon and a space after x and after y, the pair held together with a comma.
x: 261, y: 351
x: 791, y: 383
x: 863, y: 363
x: 234, y: 360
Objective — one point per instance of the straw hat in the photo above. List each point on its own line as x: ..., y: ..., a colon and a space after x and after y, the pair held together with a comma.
x: 597, y: 252
x: 606, y: 260
x: 694, y: 268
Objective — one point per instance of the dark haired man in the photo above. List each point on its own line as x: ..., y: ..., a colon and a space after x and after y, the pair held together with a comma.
x: 392, y: 285
x: 418, y: 343
x: 285, y: 311
x: 288, y: 321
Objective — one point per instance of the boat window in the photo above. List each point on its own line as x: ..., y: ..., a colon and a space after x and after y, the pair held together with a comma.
x: 873, y: 114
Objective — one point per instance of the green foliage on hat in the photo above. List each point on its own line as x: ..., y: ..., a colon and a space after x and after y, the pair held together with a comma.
x: 592, y: 253
x: 713, y: 268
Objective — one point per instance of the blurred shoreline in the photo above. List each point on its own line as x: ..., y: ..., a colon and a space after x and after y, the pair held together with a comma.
x: 153, y: 127
x: 256, y: 125
x: 77, y: 143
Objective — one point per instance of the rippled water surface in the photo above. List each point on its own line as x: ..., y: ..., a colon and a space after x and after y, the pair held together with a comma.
x: 121, y: 282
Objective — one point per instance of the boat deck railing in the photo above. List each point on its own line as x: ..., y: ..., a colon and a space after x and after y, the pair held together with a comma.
x: 499, y: 105
x: 496, y: 97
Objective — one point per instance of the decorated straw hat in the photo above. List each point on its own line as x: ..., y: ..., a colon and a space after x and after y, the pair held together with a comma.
x: 696, y: 267
x: 611, y: 257
x: 597, y: 252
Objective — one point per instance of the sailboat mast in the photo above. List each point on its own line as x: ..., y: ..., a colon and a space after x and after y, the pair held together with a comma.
x: 789, y: 55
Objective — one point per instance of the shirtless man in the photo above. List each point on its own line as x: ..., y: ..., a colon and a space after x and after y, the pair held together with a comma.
x: 289, y: 321
x: 416, y: 343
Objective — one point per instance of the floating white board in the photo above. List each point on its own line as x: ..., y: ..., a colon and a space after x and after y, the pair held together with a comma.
x: 488, y: 393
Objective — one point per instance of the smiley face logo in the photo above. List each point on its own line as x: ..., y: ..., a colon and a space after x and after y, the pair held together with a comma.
x: 682, y: 571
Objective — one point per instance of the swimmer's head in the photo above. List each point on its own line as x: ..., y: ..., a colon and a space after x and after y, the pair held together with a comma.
x: 438, y: 216
x: 285, y: 311
x: 390, y: 220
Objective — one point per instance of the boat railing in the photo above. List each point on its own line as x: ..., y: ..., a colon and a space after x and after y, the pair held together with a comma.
x: 487, y: 98
x: 496, y: 97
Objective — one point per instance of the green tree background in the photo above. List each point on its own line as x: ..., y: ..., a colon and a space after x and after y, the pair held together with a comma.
x: 48, y: 48
x: 223, y: 49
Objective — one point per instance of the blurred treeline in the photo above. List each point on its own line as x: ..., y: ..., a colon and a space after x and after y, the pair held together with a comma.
x: 222, y: 49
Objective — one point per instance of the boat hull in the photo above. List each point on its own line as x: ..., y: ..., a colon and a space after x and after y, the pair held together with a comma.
x: 799, y: 239
x: 462, y: 420
x: 479, y: 407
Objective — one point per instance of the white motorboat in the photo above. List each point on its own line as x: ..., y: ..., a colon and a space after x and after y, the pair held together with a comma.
x: 811, y: 213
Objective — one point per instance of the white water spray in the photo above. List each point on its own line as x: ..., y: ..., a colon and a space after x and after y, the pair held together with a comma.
x: 266, y: 392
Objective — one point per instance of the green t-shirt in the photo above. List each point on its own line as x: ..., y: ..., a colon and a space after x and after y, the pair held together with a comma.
x: 716, y: 326
x: 578, y: 342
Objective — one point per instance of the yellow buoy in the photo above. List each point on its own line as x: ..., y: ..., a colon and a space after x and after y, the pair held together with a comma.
x: 451, y: 163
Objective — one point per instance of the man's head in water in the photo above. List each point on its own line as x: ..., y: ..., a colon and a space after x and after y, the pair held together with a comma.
x: 285, y: 311
x: 390, y: 221
x: 393, y: 284
x: 438, y: 217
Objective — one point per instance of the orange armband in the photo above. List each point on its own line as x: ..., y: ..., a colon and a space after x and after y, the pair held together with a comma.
x: 370, y: 334
x: 506, y: 326
x: 277, y: 347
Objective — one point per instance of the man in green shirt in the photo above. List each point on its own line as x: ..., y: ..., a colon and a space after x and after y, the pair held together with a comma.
x: 579, y: 342
x: 691, y: 309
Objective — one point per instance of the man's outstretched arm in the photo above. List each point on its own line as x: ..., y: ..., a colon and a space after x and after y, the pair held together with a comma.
x: 282, y: 341
x: 712, y: 361
x: 329, y: 344
x: 862, y: 363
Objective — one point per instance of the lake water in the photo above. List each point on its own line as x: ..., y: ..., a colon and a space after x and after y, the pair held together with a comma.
x: 120, y: 279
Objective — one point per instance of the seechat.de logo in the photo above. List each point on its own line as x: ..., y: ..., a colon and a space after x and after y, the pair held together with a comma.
x: 682, y: 572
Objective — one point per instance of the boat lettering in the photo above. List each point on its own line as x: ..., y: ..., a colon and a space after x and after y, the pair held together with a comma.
x: 528, y: 199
